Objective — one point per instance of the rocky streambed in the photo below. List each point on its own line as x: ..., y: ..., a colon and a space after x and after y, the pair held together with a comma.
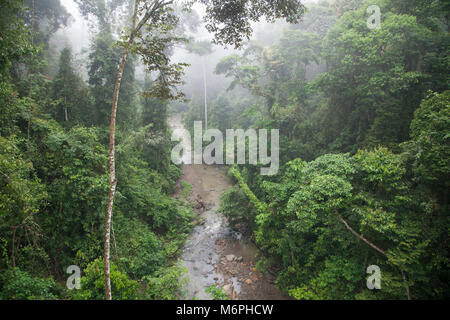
x: 214, y: 254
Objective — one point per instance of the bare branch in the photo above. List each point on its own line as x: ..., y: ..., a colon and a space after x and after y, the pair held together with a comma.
x: 408, y: 293
x: 360, y: 236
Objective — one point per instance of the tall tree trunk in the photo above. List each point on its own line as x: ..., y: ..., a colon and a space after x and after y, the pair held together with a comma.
x: 31, y: 83
x: 408, y: 293
x: 112, y: 174
x: 13, y: 248
x: 66, y: 115
x: 112, y: 151
x: 135, y: 29
x: 206, y: 95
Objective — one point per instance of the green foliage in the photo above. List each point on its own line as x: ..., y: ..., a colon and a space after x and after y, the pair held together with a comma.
x: 235, y: 206
x: 70, y: 92
x: 329, y: 83
x: 430, y: 140
x: 73, y: 166
x: 306, y: 216
x: 231, y: 21
x: 49, y: 15
x: 141, y: 252
x: 103, y: 61
x: 382, y: 74
x: 93, y: 283
x: 20, y: 196
x: 53, y: 156
x: 217, y: 293
x: 14, y: 45
x: 347, y: 101
x: 186, y: 189
x: 167, y: 285
x: 20, y: 285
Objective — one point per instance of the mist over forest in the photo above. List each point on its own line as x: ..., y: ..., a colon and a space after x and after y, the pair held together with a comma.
x: 347, y: 102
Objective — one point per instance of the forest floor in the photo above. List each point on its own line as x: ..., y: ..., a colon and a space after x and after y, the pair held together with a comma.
x: 214, y: 254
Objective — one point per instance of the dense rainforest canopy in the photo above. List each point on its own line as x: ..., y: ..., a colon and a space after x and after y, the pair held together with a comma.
x: 364, y: 120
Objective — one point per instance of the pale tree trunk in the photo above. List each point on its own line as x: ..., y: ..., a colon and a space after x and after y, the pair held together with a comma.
x: 13, y: 250
x: 66, y: 114
x: 112, y: 161
x: 135, y: 28
x: 31, y: 83
x: 206, y: 95
x: 112, y: 175
x: 408, y: 293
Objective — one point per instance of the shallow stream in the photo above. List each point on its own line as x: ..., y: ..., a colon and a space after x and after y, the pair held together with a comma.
x: 214, y: 254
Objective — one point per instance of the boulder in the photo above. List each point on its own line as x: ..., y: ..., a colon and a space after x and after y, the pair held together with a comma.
x: 228, y: 289
x: 231, y: 257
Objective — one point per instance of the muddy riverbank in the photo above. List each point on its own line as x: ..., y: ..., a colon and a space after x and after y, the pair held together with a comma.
x: 214, y: 254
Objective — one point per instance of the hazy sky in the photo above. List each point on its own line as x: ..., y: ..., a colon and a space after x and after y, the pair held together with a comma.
x: 77, y: 33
